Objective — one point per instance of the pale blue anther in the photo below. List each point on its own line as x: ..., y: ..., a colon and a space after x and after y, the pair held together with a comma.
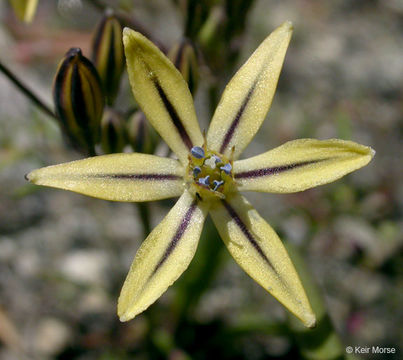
x: 226, y: 168
x: 217, y: 159
x: 196, y: 170
x: 217, y: 184
x: 197, y: 152
x: 205, y: 181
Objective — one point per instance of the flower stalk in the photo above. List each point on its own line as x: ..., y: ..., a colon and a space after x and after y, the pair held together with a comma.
x: 27, y: 91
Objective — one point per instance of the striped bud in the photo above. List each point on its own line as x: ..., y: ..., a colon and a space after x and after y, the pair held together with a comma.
x: 108, y: 54
x: 113, y: 137
x: 79, y: 100
x: 183, y: 56
x: 142, y: 137
x: 24, y: 9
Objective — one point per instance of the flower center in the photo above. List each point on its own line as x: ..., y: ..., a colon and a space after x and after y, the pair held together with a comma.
x: 209, y: 174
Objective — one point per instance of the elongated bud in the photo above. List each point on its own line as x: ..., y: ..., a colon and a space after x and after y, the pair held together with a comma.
x: 141, y: 135
x: 113, y: 137
x: 108, y: 54
x: 24, y: 9
x: 183, y: 56
x: 79, y: 100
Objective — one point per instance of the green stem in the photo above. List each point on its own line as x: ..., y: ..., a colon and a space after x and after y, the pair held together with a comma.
x: 26, y: 91
x: 144, y: 212
x: 321, y: 342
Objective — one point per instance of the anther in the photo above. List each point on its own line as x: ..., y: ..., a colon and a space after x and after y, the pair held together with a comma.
x: 197, y: 152
x: 217, y: 184
x: 217, y: 159
x: 196, y: 170
x: 205, y: 181
x: 226, y: 168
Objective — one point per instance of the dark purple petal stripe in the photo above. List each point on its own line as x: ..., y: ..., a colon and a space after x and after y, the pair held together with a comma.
x: 273, y: 170
x: 174, y: 115
x: 139, y: 176
x: 230, y: 132
x: 180, y: 231
x: 79, y: 106
x: 246, y: 232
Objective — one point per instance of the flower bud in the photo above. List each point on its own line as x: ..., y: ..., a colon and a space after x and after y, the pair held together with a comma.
x: 183, y: 56
x: 108, y: 54
x: 113, y: 137
x: 142, y: 137
x: 79, y: 100
x: 24, y: 9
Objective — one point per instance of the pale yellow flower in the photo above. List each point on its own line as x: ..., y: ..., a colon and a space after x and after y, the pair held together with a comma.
x: 207, y: 175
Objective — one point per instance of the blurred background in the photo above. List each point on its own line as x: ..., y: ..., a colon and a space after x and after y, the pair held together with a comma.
x: 64, y: 257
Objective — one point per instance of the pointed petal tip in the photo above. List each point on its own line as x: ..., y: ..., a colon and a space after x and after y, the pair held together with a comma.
x: 372, y: 152
x: 124, y: 317
x: 129, y: 36
x: 310, y: 321
x: 124, y: 313
x: 287, y: 25
x: 127, y: 31
x: 31, y: 176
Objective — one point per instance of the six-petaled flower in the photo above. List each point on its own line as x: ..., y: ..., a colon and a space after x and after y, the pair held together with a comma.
x: 207, y: 174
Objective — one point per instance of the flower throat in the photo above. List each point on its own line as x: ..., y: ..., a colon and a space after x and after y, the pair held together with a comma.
x: 209, y: 174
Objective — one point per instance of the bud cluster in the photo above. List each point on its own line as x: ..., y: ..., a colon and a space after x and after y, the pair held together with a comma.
x: 85, y: 91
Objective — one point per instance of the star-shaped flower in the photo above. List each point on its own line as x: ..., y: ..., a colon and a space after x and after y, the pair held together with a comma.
x: 207, y: 175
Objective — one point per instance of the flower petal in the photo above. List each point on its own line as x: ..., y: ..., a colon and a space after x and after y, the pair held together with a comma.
x: 258, y: 250
x: 117, y: 177
x: 163, y: 256
x: 248, y: 96
x: 301, y: 164
x: 162, y: 94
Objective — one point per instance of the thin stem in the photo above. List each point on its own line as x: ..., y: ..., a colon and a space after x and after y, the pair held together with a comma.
x: 26, y: 91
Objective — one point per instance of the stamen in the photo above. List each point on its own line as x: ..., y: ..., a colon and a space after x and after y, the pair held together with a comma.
x: 205, y: 181
x: 217, y: 184
x: 226, y: 168
x: 209, y: 173
x: 197, y: 152
x: 217, y: 159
